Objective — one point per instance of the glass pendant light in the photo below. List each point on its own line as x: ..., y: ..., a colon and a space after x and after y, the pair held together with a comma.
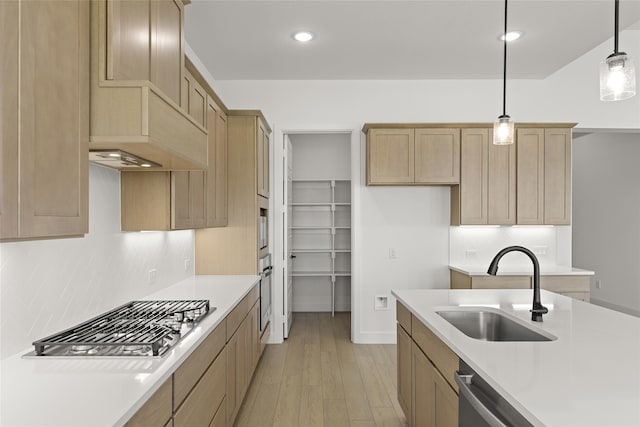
x: 503, y: 128
x: 617, y: 73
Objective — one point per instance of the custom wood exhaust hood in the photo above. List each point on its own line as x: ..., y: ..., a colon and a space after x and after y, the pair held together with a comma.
x: 137, y: 73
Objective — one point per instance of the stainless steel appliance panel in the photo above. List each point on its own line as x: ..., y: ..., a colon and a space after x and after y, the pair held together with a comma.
x: 265, y: 269
x: 479, y: 405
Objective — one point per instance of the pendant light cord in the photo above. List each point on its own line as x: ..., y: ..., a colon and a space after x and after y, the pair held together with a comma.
x: 504, y: 69
x: 615, y: 34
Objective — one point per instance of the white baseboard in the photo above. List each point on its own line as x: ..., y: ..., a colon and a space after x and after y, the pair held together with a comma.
x: 616, y: 307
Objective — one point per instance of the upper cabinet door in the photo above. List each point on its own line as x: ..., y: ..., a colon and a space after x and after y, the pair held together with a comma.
x: 390, y: 156
x: 128, y: 41
x: 530, y: 176
x: 501, y: 203
x: 145, y: 42
x: 197, y: 102
x: 9, y: 145
x: 557, y: 176
x: 262, y: 160
x: 167, y: 40
x: 54, y: 118
x: 437, y: 156
x: 221, y: 217
x: 474, y: 173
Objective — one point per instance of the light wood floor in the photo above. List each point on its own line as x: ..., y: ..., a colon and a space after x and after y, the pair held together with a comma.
x: 319, y: 378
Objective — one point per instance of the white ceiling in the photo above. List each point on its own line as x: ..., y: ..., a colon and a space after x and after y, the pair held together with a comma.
x: 454, y: 39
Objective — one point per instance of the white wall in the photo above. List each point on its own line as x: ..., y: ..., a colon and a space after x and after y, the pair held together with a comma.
x: 48, y: 285
x: 475, y: 246
x: 606, y: 216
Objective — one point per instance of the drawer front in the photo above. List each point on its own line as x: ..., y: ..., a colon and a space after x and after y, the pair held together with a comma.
x: 501, y: 282
x: 156, y: 411
x: 188, y: 374
x: 201, y: 404
x: 442, y: 356
x: 241, y: 310
x: 565, y: 283
x: 404, y: 316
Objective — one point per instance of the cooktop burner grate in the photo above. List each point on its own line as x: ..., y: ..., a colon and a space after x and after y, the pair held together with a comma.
x: 138, y: 328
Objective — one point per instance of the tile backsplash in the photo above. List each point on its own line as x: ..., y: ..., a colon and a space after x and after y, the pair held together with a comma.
x: 48, y: 285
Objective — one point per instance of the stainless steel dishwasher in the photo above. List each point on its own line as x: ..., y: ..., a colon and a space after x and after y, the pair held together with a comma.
x: 479, y: 405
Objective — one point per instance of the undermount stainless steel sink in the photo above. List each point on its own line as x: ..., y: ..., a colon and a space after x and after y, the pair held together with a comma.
x: 487, y: 325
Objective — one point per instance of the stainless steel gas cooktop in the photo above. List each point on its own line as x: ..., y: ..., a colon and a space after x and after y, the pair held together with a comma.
x: 135, y: 329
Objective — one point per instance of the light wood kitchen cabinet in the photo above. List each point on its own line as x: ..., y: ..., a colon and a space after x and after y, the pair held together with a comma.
x: 44, y: 114
x: 201, y: 405
x: 435, y: 403
x: 574, y: 286
x: 390, y: 156
x: 262, y: 142
x: 243, y: 348
x: 216, y: 190
x: 162, y: 200
x: 437, y: 156
x: 403, y: 347
x: 137, y: 79
x: 235, y: 249
x: 196, y: 101
x: 157, y: 410
x: 407, y: 156
x: 487, y: 190
x: 427, y: 391
x: 544, y: 176
x: 146, y: 42
x: 188, y: 200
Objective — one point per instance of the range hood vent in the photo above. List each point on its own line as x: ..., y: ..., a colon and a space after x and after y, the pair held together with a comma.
x: 119, y: 159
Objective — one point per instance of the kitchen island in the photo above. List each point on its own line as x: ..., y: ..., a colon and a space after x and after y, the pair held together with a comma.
x: 588, y: 376
x: 81, y: 391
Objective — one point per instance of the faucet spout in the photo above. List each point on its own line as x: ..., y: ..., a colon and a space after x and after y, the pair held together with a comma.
x: 537, y: 309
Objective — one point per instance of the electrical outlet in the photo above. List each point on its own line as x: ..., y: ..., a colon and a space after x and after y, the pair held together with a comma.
x: 393, y: 253
x: 153, y: 275
x: 187, y: 264
x: 598, y: 284
x: 381, y: 303
x: 470, y: 253
x: 539, y: 250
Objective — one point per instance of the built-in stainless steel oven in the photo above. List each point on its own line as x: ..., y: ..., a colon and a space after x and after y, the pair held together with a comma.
x: 265, y: 268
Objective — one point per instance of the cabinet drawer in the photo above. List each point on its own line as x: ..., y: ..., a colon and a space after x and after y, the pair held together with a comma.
x: 156, y: 411
x: 442, y: 356
x: 201, y: 404
x: 563, y: 284
x: 241, y: 310
x: 500, y: 282
x: 404, y: 316
x: 188, y: 374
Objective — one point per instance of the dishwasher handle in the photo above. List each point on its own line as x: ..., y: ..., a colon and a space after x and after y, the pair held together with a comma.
x: 464, y: 382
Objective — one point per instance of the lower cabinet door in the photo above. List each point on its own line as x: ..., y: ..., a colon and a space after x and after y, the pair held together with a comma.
x: 435, y: 403
x: 201, y: 404
x: 404, y: 372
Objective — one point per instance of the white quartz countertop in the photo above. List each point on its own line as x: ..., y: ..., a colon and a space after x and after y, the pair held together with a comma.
x: 588, y: 376
x: 545, y: 270
x: 107, y: 392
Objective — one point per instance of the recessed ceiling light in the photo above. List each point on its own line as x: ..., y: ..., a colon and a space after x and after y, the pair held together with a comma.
x: 303, y: 36
x: 511, y: 36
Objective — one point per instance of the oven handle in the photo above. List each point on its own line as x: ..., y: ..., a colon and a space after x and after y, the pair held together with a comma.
x: 266, y: 272
x: 464, y: 381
